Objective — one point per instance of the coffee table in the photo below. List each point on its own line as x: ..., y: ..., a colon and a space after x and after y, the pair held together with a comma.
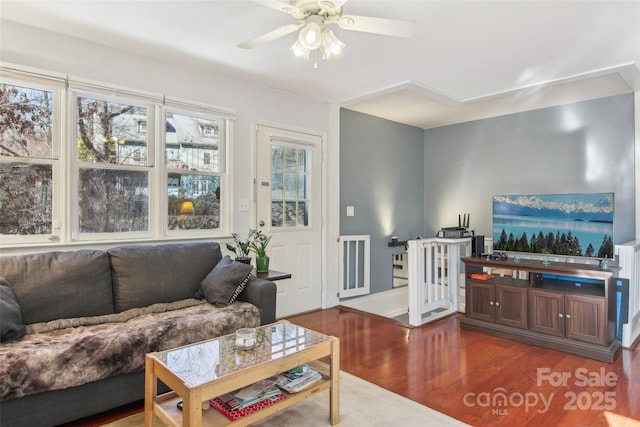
x: 202, y: 371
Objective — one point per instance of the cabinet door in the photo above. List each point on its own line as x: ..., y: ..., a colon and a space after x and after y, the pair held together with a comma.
x: 546, y: 312
x: 480, y: 300
x: 511, y: 306
x: 585, y: 317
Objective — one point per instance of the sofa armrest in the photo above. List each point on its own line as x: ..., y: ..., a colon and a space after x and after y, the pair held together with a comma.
x: 262, y: 294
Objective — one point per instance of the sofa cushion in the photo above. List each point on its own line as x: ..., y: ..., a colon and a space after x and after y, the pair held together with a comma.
x: 11, y: 326
x: 225, y: 282
x: 145, y: 275
x: 56, y: 285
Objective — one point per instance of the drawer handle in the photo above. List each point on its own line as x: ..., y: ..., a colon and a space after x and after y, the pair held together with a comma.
x: 490, y: 302
x: 497, y: 303
x: 568, y: 316
x: 560, y: 315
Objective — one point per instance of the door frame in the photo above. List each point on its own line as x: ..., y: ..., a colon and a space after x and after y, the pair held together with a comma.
x: 253, y: 211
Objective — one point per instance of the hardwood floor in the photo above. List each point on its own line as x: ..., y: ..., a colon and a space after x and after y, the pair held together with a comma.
x: 476, y: 378
x: 464, y: 374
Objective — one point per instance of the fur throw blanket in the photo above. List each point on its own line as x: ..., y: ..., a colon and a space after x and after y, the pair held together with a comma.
x: 71, y: 352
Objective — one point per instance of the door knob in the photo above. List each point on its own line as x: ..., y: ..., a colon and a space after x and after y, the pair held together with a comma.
x: 261, y: 223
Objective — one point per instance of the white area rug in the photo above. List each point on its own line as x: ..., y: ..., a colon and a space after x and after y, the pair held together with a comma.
x: 361, y: 404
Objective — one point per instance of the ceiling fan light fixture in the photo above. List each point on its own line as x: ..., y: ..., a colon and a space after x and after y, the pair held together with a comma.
x: 311, y: 36
x: 331, y: 47
x: 299, y: 50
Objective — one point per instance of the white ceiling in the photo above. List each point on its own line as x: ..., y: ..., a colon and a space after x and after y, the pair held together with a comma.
x: 467, y: 59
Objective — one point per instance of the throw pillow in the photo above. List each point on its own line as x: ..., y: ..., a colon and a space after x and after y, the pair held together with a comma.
x: 225, y: 282
x: 11, y: 326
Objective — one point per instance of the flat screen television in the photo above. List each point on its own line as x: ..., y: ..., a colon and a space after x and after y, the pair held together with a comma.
x: 573, y: 225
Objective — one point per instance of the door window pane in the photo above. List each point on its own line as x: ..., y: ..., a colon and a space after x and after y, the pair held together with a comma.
x: 290, y: 186
x: 276, y: 185
x: 194, y: 202
x: 112, y: 201
x: 26, y: 122
x: 108, y: 132
x: 25, y: 199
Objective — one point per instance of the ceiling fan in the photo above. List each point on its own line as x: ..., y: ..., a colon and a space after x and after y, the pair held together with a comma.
x: 313, y: 16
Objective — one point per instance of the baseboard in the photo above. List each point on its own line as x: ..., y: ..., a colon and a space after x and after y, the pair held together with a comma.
x: 389, y: 303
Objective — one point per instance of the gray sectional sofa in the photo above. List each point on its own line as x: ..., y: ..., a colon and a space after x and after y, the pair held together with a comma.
x: 90, y: 316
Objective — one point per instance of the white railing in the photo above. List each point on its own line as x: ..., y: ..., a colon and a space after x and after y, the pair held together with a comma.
x: 629, y: 261
x: 354, y: 265
x: 435, y: 278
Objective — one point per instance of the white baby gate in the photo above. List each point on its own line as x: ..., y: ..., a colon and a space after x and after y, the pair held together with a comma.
x: 435, y: 278
x: 354, y: 267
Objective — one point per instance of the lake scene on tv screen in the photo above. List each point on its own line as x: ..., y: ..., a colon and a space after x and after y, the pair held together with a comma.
x: 561, y: 224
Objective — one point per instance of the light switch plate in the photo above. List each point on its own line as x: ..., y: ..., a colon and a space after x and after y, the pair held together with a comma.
x: 350, y: 211
x: 243, y: 205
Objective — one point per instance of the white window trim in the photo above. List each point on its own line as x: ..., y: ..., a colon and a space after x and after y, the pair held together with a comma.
x: 226, y: 118
x: 24, y: 76
x: 65, y: 220
x: 121, y: 97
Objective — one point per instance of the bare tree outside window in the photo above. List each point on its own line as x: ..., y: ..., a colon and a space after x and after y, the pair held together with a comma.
x: 25, y: 199
x: 25, y: 122
x: 26, y: 116
x: 112, y: 200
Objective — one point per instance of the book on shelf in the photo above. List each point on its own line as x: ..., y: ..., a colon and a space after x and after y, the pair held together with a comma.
x: 251, y: 394
x: 252, y: 398
x: 298, y: 379
x: 234, y: 414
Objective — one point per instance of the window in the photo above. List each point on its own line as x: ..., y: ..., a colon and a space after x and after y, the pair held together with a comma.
x: 123, y: 153
x: 113, y: 167
x: 29, y: 144
x: 195, y: 169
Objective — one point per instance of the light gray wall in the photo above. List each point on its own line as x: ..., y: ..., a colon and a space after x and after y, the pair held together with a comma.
x: 585, y: 147
x: 381, y: 176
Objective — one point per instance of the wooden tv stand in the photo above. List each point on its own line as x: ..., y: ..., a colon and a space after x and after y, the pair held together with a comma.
x: 564, y: 306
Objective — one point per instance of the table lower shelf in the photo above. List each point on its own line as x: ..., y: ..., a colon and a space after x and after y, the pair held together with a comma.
x: 165, y: 407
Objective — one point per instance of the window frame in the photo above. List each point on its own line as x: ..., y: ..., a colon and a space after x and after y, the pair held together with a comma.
x: 88, y: 90
x: 56, y: 84
x: 66, y: 166
x: 226, y: 118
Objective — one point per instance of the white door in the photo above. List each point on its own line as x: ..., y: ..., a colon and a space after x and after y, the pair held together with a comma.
x: 288, y: 207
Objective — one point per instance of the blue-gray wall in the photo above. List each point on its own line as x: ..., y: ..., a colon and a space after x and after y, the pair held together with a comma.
x: 585, y: 147
x: 381, y: 176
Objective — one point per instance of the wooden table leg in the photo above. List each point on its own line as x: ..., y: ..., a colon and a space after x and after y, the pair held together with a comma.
x: 334, y: 392
x: 150, y: 391
x: 192, y: 408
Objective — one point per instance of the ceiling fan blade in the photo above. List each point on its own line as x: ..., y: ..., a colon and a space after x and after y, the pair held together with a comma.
x: 331, y: 5
x: 270, y: 36
x: 282, y: 7
x: 384, y: 26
